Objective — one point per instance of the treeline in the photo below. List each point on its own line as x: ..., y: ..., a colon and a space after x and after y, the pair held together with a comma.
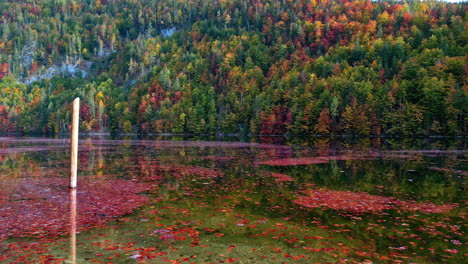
x: 236, y: 66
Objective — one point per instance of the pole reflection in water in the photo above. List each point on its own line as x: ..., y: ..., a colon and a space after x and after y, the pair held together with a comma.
x: 73, y: 226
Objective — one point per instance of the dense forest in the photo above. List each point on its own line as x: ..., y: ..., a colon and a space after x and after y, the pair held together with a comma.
x: 235, y: 66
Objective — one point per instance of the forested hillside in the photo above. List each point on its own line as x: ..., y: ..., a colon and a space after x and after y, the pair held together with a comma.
x: 235, y: 66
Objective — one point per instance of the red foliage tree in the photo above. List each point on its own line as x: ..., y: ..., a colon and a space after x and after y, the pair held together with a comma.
x: 4, y: 122
x: 4, y: 69
x: 324, y: 122
x: 276, y: 122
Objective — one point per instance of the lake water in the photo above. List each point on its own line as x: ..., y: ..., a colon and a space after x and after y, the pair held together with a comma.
x: 167, y: 201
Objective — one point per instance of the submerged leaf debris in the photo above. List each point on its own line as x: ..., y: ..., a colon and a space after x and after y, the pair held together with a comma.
x: 197, y: 202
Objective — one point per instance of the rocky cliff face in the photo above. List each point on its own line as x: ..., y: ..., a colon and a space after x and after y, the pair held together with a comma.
x: 74, y: 70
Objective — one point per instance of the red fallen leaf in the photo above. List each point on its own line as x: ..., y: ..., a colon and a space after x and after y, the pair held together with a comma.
x: 112, y: 247
x: 292, y: 240
x: 362, y: 202
x: 452, y: 251
x: 279, y: 177
x: 281, y: 226
x: 299, y: 257
x: 426, y: 207
x: 384, y: 258
x: 46, y: 209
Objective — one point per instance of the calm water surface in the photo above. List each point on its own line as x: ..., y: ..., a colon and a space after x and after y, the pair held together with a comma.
x: 304, y: 201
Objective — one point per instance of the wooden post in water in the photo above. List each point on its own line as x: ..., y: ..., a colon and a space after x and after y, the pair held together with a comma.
x: 73, y: 226
x: 74, y: 142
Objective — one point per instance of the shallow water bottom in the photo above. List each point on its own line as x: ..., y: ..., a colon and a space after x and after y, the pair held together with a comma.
x: 219, y: 202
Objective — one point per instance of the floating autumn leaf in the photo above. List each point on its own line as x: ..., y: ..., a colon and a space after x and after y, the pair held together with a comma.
x: 347, y: 201
x: 425, y: 207
x: 40, y: 207
x: 279, y: 177
x: 360, y: 202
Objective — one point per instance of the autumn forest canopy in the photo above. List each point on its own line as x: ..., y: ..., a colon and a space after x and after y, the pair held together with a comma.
x: 235, y: 66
